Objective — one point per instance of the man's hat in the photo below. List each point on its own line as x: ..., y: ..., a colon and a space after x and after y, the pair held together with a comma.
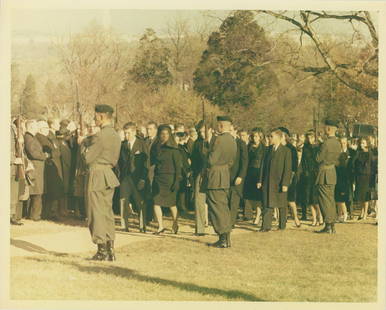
x: 103, y: 108
x: 285, y: 130
x: 224, y: 118
x: 331, y: 122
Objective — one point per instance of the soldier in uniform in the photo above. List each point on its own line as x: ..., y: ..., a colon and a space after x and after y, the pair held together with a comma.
x: 221, y: 157
x: 327, y: 159
x: 101, y: 156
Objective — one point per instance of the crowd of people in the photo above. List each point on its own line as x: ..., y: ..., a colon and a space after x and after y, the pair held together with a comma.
x: 60, y: 170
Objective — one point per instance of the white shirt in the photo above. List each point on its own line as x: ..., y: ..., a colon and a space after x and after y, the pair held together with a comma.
x: 131, y: 143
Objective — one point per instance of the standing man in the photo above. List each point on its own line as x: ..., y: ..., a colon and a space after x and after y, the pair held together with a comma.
x: 328, y: 158
x: 222, y: 155
x: 151, y: 129
x: 275, y: 177
x: 101, y: 156
x: 35, y: 154
x: 133, y: 167
x: 238, y: 174
x: 199, y: 167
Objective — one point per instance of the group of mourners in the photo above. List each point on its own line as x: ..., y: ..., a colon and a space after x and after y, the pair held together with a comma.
x: 222, y: 173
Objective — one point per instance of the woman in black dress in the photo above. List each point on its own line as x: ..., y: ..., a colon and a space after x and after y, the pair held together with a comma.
x: 363, y: 170
x: 166, y: 158
x: 252, y: 195
x: 309, y: 168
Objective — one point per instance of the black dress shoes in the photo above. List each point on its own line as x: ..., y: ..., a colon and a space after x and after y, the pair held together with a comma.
x: 264, y: 230
x: 221, y: 242
x: 326, y: 230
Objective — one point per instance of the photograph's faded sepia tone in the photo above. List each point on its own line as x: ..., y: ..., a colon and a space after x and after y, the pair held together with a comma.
x: 186, y: 155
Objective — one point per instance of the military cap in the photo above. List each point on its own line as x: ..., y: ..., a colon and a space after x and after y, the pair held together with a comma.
x: 103, y: 108
x: 285, y: 130
x: 224, y: 118
x: 331, y: 122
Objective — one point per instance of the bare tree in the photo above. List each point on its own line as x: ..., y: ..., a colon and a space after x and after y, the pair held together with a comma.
x: 354, y: 75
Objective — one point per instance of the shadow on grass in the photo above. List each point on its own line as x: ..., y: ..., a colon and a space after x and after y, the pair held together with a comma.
x: 30, y: 247
x: 132, y: 274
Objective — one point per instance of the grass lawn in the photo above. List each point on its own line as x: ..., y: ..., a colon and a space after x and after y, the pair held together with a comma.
x: 294, y: 265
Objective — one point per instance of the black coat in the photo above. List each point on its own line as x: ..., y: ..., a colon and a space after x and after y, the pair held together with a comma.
x: 35, y: 154
x: 199, y: 156
x: 134, y: 162
x: 53, y: 177
x: 255, y: 160
x: 275, y: 173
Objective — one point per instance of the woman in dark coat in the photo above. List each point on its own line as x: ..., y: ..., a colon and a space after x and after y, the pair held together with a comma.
x: 252, y: 195
x: 166, y: 158
x: 363, y: 172
x: 309, y: 167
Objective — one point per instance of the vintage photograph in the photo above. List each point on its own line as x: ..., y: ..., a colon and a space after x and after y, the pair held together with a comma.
x: 194, y: 155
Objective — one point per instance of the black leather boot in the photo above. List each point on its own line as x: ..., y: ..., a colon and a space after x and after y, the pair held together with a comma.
x: 221, y: 242
x: 326, y: 230
x: 228, y: 237
x: 101, y: 254
x: 110, y: 251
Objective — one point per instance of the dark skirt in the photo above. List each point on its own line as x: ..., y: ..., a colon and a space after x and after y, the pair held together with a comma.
x: 343, y: 188
x: 307, y: 191
x: 292, y: 189
x: 251, y: 192
x: 362, y: 188
x: 161, y: 189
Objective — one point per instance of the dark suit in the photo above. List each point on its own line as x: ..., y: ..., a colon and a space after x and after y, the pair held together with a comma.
x: 238, y: 170
x: 275, y: 173
x: 133, y: 173
x: 221, y: 157
x: 101, y: 156
x: 199, y: 165
x: 327, y: 159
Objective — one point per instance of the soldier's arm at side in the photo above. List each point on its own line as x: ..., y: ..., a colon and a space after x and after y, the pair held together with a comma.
x: 93, y: 150
x: 322, y: 152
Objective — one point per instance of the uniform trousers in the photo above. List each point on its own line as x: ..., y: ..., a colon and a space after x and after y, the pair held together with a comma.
x: 326, y: 200
x: 219, y: 211
x: 234, y: 202
x: 267, y: 218
x: 100, y: 215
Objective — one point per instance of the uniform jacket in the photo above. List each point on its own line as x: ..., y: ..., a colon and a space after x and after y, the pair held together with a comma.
x: 327, y: 158
x: 35, y: 154
x: 276, y: 172
x: 222, y: 155
x: 240, y: 165
x: 101, y: 156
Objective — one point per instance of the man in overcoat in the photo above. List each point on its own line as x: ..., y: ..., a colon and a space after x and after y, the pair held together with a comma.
x: 221, y: 157
x: 35, y: 154
x: 133, y: 173
x: 274, y: 179
x: 100, y: 156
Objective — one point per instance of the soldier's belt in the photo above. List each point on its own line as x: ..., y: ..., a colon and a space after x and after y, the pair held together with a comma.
x: 100, y: 166
x: 327, y: 167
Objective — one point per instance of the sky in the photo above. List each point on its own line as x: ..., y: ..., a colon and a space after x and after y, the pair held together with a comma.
x: 40, y: 25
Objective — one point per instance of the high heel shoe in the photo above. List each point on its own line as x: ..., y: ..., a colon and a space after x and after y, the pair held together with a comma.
x: 298, y: 225
x: 159, y: 231
x: 175, y: 229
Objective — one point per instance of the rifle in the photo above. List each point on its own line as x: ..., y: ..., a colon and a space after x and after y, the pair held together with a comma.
x: 20, y: 172
x: 80, y: 114
x: 204, y: 119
